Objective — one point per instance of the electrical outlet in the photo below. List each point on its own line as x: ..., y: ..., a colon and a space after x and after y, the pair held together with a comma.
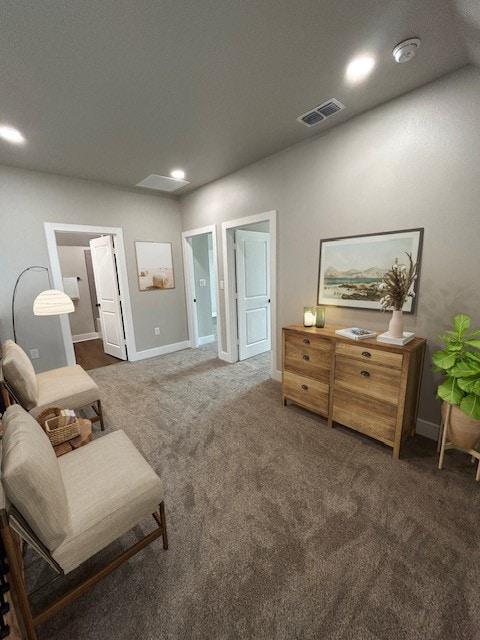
x: 222, y: 285
x: 157, y: 331
x: 34, y: 354
x: 203, y: 282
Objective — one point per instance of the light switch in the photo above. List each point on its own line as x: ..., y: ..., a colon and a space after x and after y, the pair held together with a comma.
x: 222, y: 285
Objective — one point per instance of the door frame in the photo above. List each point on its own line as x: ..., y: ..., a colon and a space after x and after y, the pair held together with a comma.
x: 228, y: 242
x: 52, y: 249
x: 189, y: 274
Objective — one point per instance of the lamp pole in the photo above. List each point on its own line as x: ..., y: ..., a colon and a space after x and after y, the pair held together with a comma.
x: 41, y: 268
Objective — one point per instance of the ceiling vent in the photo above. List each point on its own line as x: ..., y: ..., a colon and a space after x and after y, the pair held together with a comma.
x: 161, y: 183
x: 323, y: 111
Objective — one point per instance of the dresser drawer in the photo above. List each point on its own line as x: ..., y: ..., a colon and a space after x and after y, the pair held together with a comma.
x: 373, y: 417
x: 310, y: 393
x: 308, y: 355
x: 367, y: 354
x: 368, y: 379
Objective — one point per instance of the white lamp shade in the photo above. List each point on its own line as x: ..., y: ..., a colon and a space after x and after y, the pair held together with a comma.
x: 52, y: 303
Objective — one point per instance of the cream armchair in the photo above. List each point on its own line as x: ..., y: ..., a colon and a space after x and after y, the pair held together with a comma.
x: 70, y: 508
x: 67, y: 387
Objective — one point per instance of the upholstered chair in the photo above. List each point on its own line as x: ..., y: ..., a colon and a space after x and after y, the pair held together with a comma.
x: 70, y: 508
x: 67, y: 387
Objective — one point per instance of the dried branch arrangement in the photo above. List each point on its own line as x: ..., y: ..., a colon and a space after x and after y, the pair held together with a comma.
x: 398, y: 283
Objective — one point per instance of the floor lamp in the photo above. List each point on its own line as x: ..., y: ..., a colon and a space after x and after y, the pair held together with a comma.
x: 51, y: 302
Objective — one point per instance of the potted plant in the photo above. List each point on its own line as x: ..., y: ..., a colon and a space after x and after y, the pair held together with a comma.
x: 459, y: 363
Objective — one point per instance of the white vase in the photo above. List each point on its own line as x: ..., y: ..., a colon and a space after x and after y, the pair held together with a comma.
x: 395, y: 326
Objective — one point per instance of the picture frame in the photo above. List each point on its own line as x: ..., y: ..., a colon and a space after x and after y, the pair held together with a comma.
x: 352, y: 267
x: 154, y: 265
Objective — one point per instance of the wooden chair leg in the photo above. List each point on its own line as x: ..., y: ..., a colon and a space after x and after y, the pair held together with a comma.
x: 4, y: 392
x: 97, y: 407
x: 16, y: 574
x: 162, y: 523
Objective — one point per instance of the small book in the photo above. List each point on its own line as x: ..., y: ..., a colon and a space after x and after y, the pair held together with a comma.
x: 356, y: 333
x: 387, y: 338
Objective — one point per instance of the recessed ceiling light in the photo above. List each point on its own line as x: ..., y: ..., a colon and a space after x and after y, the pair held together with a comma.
x: 10, y: 134
x: 359, y: 68
x: 178, y: 174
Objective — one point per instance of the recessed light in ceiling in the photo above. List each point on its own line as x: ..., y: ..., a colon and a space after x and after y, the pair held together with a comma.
x: 178, y: 174
x: 359, y: 68
x: 10, y: 134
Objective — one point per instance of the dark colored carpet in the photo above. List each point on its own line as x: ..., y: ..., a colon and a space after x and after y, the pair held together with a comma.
x: 279, y: 527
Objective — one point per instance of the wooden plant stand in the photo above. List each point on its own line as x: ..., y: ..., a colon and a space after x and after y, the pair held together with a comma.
x: 448, y: 445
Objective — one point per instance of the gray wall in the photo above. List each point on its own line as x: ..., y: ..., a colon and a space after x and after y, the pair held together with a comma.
x: 414, y: 162
x: 72, y: 264
x: 202, y: 294
x: 28, y: 199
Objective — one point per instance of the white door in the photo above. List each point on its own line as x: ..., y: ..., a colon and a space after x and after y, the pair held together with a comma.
x: 106, y: 284
x: 252, y: 257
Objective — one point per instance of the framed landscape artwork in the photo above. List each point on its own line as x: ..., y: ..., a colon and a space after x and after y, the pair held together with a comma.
x: 351, y: 268
x: 154, y: 265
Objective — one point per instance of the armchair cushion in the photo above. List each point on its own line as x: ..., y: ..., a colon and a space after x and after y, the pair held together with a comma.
x: 67, y: 387
x: 20, y: 374
x: 110, y: 488
x: 31, y: 477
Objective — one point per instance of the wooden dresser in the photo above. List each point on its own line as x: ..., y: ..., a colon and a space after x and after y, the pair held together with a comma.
x: 366, y: 385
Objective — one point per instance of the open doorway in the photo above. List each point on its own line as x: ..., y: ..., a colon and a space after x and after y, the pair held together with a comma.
x: 200, y: 262
x: 83, y: 275
x: 88, y: 263
x: 249, y: 259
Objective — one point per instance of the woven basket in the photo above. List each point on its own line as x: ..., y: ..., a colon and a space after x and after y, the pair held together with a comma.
x: 59, y: 428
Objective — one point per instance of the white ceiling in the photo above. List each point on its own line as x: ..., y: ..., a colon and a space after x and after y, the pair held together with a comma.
x: 114, y: 90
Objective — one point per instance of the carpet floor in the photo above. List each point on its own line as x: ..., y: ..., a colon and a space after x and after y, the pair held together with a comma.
x: 279, y: 527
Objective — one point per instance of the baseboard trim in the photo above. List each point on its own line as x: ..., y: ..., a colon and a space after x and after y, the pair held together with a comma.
x: 160, y: 351
x: 206, y: 340
x: 225, y: 356
x: 277, y: 375
x: 427, y: 429
x: 83, y: 337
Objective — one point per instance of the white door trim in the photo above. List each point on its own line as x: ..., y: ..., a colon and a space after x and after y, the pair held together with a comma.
x: 231, y: 355
x: 50, y: 228
x: 195, y: 341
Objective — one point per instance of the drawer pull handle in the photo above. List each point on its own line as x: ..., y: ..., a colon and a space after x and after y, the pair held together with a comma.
x: 305, y: 357
x: 304, y: 386
x: 365, y: 374
x: 306, y: 341
x: 367, y: 354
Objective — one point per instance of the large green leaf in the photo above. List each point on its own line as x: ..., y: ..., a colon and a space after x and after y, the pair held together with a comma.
x: 448, y: 336
x: 444, y: 359
x: 461, y: 323
x: 450, y: 391
x: 471, y: 356
x: 471, y: 406
x: 472, y: 335
x: 454, y: 345
x: 473, y: 343
x: 470, y: 384
x: 464, y: 369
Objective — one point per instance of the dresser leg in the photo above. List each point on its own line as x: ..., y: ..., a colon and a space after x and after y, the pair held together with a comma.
x: 396, y: 452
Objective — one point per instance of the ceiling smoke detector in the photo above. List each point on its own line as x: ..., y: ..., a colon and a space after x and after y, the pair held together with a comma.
x: 406, y: 50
